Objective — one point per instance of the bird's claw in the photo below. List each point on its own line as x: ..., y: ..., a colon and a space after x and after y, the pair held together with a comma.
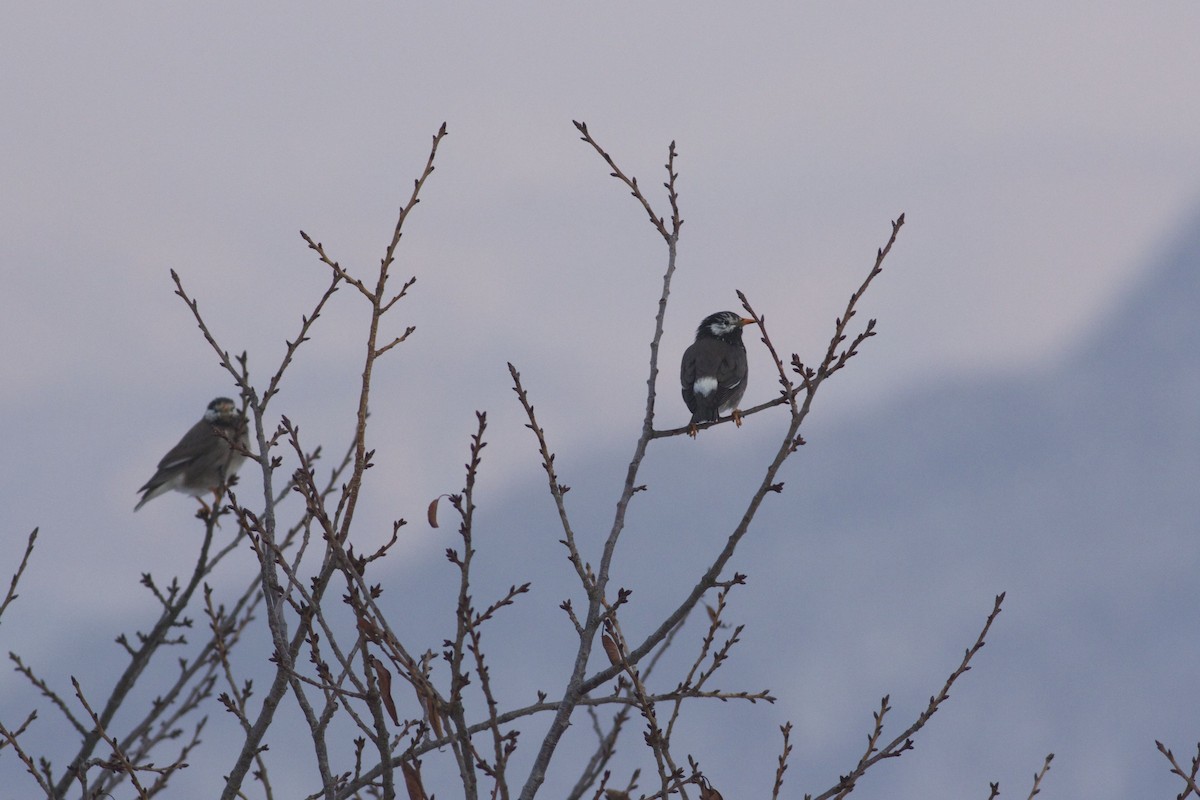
x: 204, y: 511
x: 736, y: 416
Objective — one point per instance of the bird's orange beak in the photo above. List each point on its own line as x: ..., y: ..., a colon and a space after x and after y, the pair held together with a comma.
x: 745, y: 321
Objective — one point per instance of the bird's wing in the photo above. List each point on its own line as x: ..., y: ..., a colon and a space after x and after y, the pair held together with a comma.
x: 730, y: 375
x: 731, y: 370
x: 218, y: 457
x: 194, y: 444
x: 713, y: 358
x: 709, y: 358
x: 687, y: 376
x: 183, y: 455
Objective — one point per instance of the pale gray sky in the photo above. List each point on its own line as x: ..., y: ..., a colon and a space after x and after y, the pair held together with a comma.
x: 1042, y: 152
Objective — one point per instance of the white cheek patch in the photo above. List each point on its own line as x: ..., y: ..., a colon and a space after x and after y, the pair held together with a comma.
x: 705, y: 386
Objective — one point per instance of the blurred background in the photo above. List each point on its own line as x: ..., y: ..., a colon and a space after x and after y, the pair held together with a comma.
x: 1025, y: 421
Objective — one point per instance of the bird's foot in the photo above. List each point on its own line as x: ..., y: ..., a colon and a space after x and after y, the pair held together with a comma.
x: 693, y: 430
x: 736, y: 416
x: 205, y: 511
x: 212, y: 511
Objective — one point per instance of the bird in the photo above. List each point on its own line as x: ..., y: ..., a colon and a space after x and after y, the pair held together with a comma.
x: 206, y: 456
x: 714, y: 369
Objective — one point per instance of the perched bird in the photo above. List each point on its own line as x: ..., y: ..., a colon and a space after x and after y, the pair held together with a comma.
x: 713, y: 371
x: 204, y: 458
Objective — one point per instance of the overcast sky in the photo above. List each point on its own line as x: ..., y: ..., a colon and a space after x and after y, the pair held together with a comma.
x: 1043, y: 154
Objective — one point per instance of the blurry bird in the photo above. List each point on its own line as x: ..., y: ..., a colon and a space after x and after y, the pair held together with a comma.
x: 204, y: 458
x: 713, y: 371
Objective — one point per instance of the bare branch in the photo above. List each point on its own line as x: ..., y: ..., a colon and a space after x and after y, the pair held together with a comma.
x: 1037, y: 778
x: 788, y: 389
x: 904, y: 741
x: 1189, y: 777
x: 557, y: 490
x: 16, y: 578
x: 48, y: 693
x: 141, y: 658
x: 786, y: 730
x: 655, y: 220
x: 834, y: 360
x: 120, y: 761
x: 574, y: 689
x: 10, y: 739
x: 306, y: 323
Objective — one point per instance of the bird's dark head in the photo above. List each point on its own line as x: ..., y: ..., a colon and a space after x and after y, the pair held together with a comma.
x: 221, y: 411
x: 725, y: 325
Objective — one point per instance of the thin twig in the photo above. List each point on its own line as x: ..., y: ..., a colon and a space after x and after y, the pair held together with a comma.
x: 1189, y: 777
x: 10, y: 738
x: 575, y: 689
x: 904, y: 742
x: 120, y: 761
x: 286, y: 643
x: 1037, y: 778
x: 786, y: 730
x: 151, y: 643
x: 16, y: 578
x: 655, y: 220
x: 557, y: 490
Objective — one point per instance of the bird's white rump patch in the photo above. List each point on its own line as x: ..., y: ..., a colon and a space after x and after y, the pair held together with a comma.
x: 705, y: 386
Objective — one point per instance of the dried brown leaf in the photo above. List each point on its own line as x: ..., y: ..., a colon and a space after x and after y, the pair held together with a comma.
x: 412, y: 780
x: 429, y: 704
x: 385, y: 688
x: 368, y: 629
x: 611, y: 648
